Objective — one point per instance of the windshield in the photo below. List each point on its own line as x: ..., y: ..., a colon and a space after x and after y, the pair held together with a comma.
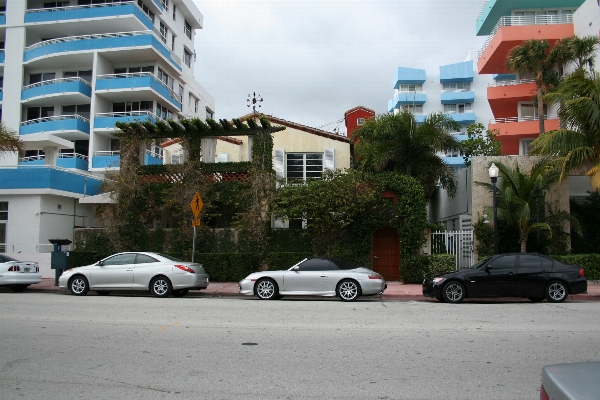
x: 480, y: 263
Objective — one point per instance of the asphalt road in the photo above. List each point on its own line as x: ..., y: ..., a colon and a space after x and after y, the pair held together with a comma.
x: 57, y: 346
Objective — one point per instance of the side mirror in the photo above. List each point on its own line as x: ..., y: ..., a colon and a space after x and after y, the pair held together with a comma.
x: 100, y: 263
x: 296, y: 268
x: 488, y: 268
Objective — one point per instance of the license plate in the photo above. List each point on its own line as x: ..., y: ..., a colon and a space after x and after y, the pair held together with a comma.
x: 27, y: 269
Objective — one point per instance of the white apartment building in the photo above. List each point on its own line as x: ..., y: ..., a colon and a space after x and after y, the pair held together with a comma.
x: 69, y: 70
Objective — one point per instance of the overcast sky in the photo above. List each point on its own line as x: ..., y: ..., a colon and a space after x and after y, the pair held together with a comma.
x: 312, y: 60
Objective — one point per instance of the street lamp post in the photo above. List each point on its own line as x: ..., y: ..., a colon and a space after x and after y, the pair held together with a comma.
x: 493, y: 171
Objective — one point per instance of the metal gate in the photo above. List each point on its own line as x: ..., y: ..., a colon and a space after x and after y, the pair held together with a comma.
x: 458, y: 243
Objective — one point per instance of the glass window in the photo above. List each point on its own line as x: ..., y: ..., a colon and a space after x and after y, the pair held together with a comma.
x: 144, y: 259
x: 163, y: 32
x: 187, y: 29
x: 529, y: 261
x: 504, y: 262
x: 3, y: 210
x: 120, y: 259
x: 360, y: 121
x: 547, y: 264
x: 187, y: 58
x: 317, y: 264
x: 302, y: 166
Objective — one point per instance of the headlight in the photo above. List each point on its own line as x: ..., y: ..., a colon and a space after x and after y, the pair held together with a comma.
x: 67, y: 272
x: 438, y: 280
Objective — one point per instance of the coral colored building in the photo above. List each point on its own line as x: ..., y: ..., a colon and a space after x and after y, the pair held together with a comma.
x: 356, y: 117
x: 509, y: 23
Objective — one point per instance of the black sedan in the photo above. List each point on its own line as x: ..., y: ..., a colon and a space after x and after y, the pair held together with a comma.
x: 533, y: 276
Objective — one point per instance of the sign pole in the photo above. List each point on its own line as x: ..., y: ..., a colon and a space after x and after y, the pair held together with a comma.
x: 194, y: 245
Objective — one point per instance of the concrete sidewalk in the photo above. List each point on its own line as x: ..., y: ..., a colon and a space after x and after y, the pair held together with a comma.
x: 394, y: 291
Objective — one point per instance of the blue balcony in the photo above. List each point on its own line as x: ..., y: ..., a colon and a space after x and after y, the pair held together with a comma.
x: 151, y: 159
x: 407, y: 98
x: 463, y: 118
x: 67, y: 160
x: 1, y: 94
x: 57, y: 86
x: 2, y: 19
x: 108, y: 10
x: 454, y: 161
x: 48, y: 177
x: 108, y: 120
x: 137, y: 81
x: 457, y: 97
x: 107, y: 41
x: 459, y: 72
x: 1, y: 56
x: 67, y: 126
x: 408, y: 76
x: 106, y: 159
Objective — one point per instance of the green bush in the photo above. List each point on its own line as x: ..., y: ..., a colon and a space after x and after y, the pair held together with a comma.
x: 279, y: 261
x: 418, y: 268
x: 589, y: 262
x: 80, y: 258
x: 228, y: 267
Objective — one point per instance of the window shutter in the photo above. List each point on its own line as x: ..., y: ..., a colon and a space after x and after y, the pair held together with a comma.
x: 278, y: 164
x: 329, y: 162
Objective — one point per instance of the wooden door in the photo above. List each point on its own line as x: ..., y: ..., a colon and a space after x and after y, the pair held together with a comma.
x: 386, y: 253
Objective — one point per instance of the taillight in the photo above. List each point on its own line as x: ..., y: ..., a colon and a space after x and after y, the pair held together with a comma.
x: 375, y: 277
x: 185, y: 268
x: 14, y: 268
x: 581, y: 273
x: 543, y: 394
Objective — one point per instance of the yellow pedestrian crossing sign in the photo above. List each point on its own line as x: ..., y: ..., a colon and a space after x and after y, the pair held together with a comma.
x: 196, y: 205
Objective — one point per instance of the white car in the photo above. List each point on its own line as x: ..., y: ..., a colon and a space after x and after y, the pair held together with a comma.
x: 315, y: 276
x: 17, y: 275
x: 162, y: 275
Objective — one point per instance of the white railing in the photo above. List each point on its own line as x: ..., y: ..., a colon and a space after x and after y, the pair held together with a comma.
x: 411, y: 92
x: 55, y: 81
x: 86, y: 37
x: 55, y: 118
x: 66, y: 8
x: 457, y: 243
x: 107, y: 153
x: 33, y: 158
x: 138, y: 75
x: 456, y: 90
x: 129, y: 114
x: 510, y: 82
x: 525, y: 20
x: 521, y: 119
x: 73, y: 155
x: 153, y: 154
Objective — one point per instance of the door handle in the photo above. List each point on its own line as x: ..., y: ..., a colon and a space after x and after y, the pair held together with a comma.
x: 130, y: 269
x: 323, y: 276
x: 511, y: 273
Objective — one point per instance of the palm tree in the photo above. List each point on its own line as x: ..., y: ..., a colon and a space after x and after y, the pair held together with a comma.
x: 577, y: 143
x: 576, y: 50
x: 9, y: 140
x: 521, y: 200
x: 532, y: 58
x: 396, y: 142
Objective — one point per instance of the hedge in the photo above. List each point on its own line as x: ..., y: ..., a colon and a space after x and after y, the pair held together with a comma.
x: 418, y: 268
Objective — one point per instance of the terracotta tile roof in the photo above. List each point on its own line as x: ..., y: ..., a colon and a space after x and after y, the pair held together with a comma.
x: 359, y: 108
x: 300, y: 127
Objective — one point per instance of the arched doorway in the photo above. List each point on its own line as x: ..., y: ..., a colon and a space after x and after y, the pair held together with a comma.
x: 386, y: 253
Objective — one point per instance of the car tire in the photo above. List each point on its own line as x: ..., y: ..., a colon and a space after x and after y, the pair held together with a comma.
x: 18, y: 288
x: 453, y: 292
x: 79, y: 286
x: 556, y: 292
x: 161, y: 287
x: 103, y: 292
x: 180, y: 292
x: 348, y: 290
x: 266, y: 289
x: 536, y: 299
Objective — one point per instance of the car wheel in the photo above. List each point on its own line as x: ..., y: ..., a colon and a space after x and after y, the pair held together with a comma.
x: 180, y: 292
x: 79, y: 286
x: 161, y: 287
x: 348, y: 290
x: 103, y: 292
x: 266, y: 289
x: 556, y: 292
x: 536, y: 299
x: 453, y: 292
x: 18, y: 288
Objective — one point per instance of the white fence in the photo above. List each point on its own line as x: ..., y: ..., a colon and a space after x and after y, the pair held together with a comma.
x: 458, y: 243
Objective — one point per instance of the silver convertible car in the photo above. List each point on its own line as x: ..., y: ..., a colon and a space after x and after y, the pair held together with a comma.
x: 162, y: 275
x: 315, y: 276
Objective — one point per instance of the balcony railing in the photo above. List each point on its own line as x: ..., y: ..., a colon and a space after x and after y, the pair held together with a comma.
x: 141, y: 114
x: 103, y: 153
x: 55, y: 118
x: 56, y: 81
x: 521, y: 119
x: 523, y: 21
x: 154, y: 154
x: 66, y: 8
x: 172, y: 93
x: 511, y: 82
x: 61, y: 155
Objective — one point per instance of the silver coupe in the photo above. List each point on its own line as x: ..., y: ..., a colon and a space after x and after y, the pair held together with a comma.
x: 162, y: 275
x: 315, y: 276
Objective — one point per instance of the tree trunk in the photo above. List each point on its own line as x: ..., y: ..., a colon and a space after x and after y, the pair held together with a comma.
x: 523, y: 246
x: 540, y: 105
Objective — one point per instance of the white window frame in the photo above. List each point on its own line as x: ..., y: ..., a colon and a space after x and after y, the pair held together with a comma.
x: 305, y: 171
x: 360, y: 121
x: 524, y: 146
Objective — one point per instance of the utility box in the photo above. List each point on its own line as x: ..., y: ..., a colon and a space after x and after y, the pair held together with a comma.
x: 59, y: 260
